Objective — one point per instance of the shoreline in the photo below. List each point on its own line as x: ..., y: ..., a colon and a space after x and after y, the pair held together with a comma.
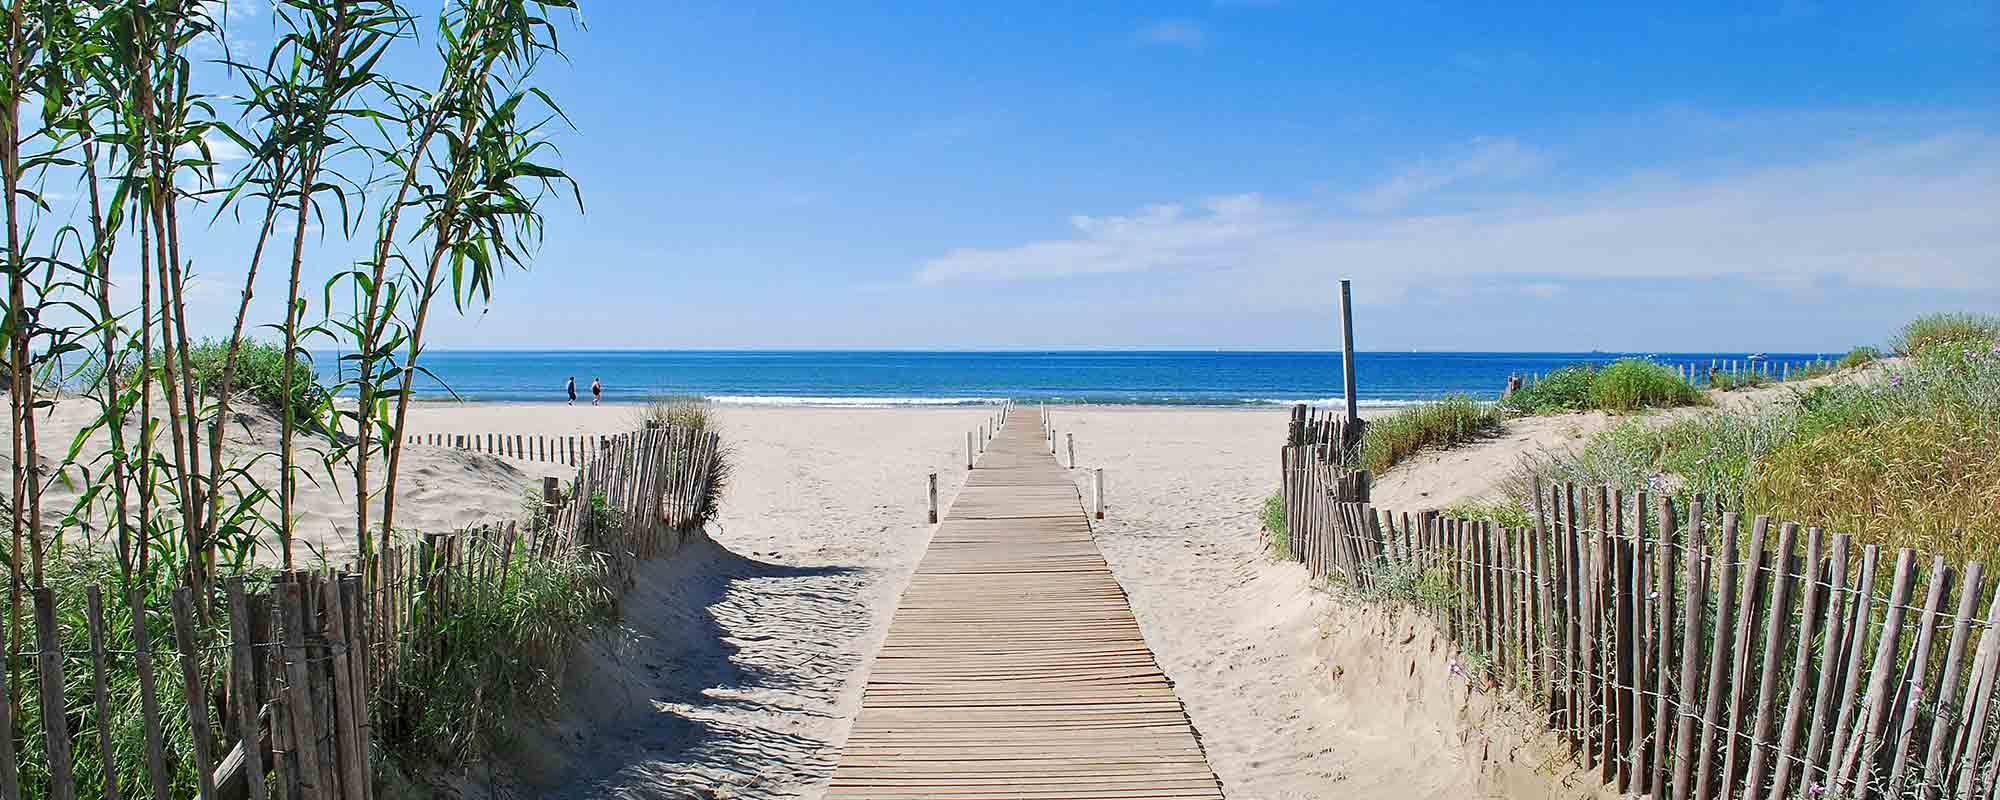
x: 1368, y: 408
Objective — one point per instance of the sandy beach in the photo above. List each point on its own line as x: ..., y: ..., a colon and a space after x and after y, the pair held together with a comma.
x: 737, y: 669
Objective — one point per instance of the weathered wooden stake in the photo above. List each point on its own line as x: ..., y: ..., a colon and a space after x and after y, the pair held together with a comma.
x: 1099, y: 484
x: 933, y: 498
x: 1071, y: 438
x: 1347, y: 360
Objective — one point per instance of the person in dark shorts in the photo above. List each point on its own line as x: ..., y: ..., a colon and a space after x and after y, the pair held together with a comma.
x: 596, y: 391
x: 571, y: 387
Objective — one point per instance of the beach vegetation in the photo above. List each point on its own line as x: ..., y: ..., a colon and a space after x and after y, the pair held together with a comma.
x: 511, y: 643
x: 1428, y: 587
x: 1630, y: 384
x: 1859, y: 357
x: 694, y: 413
x: 1437, y: 424
x: 1911, y: 458
x: 1945, y: 329
x: 259, y: 375
x: 1277, y: 538
x: 1564, y: 390
x: 156, y: 117
x: 1509, y: 514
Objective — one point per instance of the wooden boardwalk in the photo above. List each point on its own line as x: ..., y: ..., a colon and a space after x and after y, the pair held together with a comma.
x: 1014, y: 667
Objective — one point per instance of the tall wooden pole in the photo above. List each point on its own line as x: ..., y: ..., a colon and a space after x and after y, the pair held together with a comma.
x: 1347, y: 357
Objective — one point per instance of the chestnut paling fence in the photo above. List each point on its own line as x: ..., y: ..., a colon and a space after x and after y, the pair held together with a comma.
x: 1681, y: 650
x: 311, y: 666
x: 572, y: 450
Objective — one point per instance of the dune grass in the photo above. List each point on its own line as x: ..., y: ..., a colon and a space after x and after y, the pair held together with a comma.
x: 1926, y: 331
x: 1630, y: 384
x: 1504, y: 513
x: 1277, y: 538
x: 1860, y: 357
x: 1441, y: 423
x: 694, y: 413
x: 510, y: 647
x: 1564, y: 390
x: 1910, y: 460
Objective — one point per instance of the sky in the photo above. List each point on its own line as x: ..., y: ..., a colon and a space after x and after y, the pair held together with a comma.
x: 1787, y: 176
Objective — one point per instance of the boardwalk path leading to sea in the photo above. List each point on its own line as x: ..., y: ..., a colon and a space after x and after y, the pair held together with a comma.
x: 1014, y: 667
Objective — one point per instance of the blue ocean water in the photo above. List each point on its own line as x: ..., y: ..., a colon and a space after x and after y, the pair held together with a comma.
x: 951, y: 378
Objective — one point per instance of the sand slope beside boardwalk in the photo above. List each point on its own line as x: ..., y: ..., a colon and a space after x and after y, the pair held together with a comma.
x: 738, y: 666
x: 1295, y: 693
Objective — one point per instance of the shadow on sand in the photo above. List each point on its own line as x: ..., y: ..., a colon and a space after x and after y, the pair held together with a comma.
x: 720, y: 681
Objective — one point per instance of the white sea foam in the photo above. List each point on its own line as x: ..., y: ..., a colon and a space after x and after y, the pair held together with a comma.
x: 1336, y: 401
x: 780, y: 400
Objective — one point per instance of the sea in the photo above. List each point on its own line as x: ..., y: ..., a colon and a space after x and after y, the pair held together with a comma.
x: 910, y: 378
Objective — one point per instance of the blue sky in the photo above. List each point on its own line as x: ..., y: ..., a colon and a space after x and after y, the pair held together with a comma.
x: 1762, y: 176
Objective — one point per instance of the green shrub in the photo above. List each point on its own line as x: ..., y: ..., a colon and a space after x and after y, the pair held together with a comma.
x: 1631, y: 384
x: 1448, y: 422
x: 1625, y: 385
x: 1730, y: 382
x: 1924, y: 332
x: 1860, y: 357
x: 260, y: 374
x: 1566, y: 389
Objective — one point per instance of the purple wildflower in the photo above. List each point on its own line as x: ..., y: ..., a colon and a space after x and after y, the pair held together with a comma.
x: 1895, y: 380
x: 1816, y: 790
x: 1457, y: 671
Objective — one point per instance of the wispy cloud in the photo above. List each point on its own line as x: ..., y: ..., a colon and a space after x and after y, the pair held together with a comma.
x: 1912, y: 214
x: 1480, y: 159
x: 1173, y: 33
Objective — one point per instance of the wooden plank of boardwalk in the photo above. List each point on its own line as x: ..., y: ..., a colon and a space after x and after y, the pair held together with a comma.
x: 1014, y: 667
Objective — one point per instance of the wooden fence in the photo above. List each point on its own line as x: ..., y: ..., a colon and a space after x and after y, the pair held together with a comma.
x: 1681, y: 660
x: 1329, y: 437
x: 568, y: 450
x: 308, y: 668
x: 1734, y: 372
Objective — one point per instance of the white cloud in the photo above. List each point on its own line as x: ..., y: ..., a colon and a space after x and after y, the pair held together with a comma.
x: 1915, y: 214
x: 1173, y: 33
x: 221, y: 149
x: 1481, y: 158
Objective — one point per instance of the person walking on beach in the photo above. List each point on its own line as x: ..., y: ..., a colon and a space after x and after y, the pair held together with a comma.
x: 596, y: 391
x: 571, y: 387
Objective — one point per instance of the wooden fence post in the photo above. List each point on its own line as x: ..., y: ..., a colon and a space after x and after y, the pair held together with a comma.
x: 1099, y: 485
x: 1071, y: 438
x: 551, y: 498
x: 934, y: 509
x: 190, y: 645
x: 245, y: 764
x: 99, y: 692
x: 48, y: 662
